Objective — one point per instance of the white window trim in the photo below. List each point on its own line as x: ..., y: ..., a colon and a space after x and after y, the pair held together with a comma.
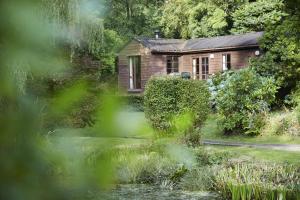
x: 224, y: 62
x: 131, y: 86
x: 194, y: 68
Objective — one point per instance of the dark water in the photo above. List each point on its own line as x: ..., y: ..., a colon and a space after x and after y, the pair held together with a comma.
x: 147, y: 192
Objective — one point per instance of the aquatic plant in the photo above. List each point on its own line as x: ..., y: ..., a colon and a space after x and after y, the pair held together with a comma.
x: 248, y: 181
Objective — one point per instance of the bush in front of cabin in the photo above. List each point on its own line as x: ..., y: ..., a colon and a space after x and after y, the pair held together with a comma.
x: 242, y: 101
x: 174, y: 102
x: 134, y: 102
x: 215, y: 82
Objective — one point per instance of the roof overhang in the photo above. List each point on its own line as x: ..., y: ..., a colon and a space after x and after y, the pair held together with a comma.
x: 233, y: 48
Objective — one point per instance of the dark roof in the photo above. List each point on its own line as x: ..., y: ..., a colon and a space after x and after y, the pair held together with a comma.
x: 161, y: 45
x: 201, y: 44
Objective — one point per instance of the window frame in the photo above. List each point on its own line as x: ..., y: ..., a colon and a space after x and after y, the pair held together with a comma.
x: 226, y: 61
x: 173, y: 61
x: 204, y: 67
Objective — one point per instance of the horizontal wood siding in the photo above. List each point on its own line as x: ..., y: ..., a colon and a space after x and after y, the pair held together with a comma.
x: 134, y: 48
x: 158, y: 64
x: 155, y: 64
x: 239, y: 60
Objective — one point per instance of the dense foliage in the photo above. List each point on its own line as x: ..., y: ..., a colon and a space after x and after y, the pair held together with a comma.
x: 81, y: 21
x: 27, y: 162
x: 293, y: 100
x: 203, y: 19
x: 282, y: 54
x: 135, y: 102
x: 281, y: 44
x: 257, y: 15
x: 132, y: 18
x: 213, y: 18
x: 168, y: 97
x: 242, y: 99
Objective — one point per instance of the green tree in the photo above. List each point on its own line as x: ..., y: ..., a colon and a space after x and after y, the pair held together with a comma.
x: 255, y: 16
x: 82, y: 22
x: 207, y: 20
x: 281, y: 43
x: 191, y: 19
x: 175, y: 16
x: 132, y: 17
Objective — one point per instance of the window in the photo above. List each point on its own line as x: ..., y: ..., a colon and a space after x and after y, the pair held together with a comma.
x: 226, y: 62
x: 204, y: 67
x: 172, y: 64
x: 135, y: 72
x: 196, y: 69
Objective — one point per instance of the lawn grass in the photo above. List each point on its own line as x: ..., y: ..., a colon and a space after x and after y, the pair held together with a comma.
x: 86, y: 145
x: 89, y: 144
x: 276, y: 156
x: 212, y: 131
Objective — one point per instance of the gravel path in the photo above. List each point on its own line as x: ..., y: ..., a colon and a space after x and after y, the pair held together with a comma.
x: 285, y: 147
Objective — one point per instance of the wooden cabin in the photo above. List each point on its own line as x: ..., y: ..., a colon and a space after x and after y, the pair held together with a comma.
x: 144, y: 57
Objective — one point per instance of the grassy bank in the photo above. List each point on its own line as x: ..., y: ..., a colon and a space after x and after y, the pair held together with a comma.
x: 218, y: 169
x: 212, y: 130
x: 233, y: 172
x: 245, y: 153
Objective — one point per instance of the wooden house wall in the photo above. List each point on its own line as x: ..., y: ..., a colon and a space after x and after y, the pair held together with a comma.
x: 239, y: 60
x: 155, y: 64
x: 134, y: 48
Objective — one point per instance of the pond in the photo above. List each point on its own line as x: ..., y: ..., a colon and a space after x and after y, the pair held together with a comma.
x: 149, y: 192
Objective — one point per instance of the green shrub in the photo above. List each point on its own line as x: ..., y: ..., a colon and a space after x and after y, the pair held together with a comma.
x: 193, y: 139
x: 242, y: 101
x: 198, y: 179
x: 81, y: 114
x: 215, y: 84
x: 295, y: 101
x: 211, y: 157
x: 150, y: 167
x: 134, y: 102
x: 282, y: 123
x: 167, y: 98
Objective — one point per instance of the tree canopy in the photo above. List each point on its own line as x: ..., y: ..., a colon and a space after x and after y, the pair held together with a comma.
x: 101, y: 27
x: 81, y: 20
x: 256, y: 16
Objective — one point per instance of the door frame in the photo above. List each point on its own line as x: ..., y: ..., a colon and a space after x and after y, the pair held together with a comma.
x: 134, y: 81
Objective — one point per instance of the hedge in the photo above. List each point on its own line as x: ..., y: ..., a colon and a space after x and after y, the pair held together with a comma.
x: 242, y: 101
x: 168, y: 97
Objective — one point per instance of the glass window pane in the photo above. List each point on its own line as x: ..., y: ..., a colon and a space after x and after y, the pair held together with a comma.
x: 228, y: 61
x: 135, y: 72
x: 172, y: 64
x: 204, y: 67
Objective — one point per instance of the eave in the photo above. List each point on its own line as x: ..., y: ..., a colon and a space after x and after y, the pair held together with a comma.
x: 234, y: 48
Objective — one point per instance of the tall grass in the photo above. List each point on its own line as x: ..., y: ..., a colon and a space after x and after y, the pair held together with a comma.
x: 282, y: 123
x: 259, y: 181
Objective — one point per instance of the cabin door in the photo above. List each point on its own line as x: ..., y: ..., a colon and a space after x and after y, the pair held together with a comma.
x: 135, y: 72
